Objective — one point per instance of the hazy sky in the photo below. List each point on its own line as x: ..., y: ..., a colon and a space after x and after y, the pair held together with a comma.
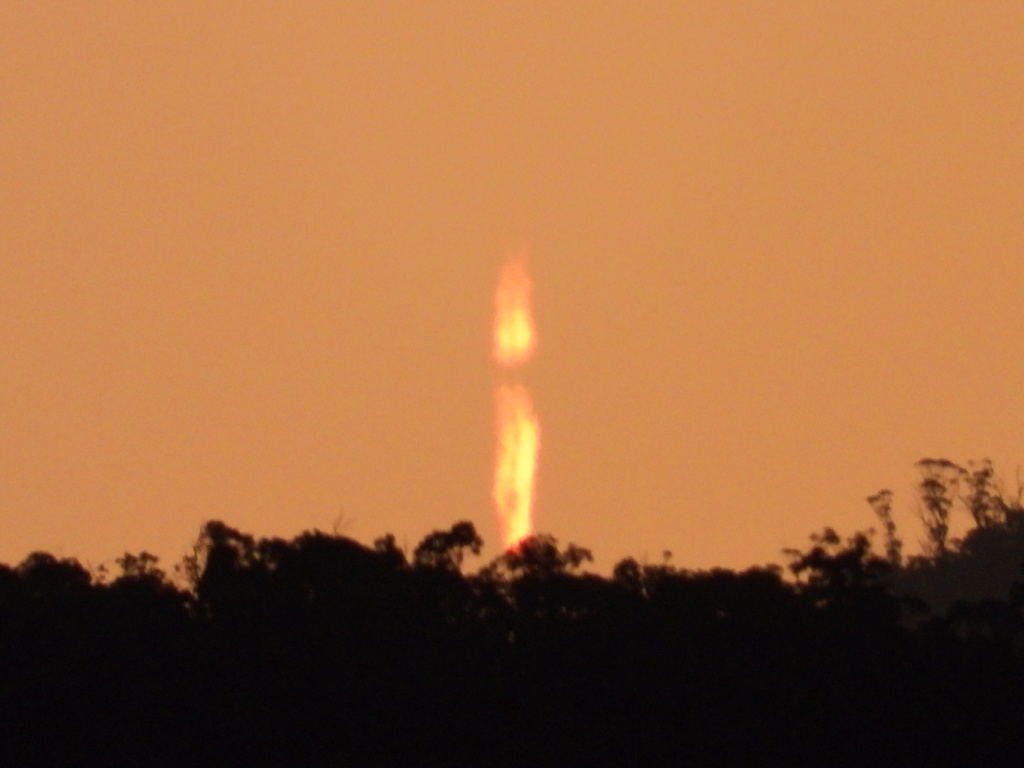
x: 248, y: 253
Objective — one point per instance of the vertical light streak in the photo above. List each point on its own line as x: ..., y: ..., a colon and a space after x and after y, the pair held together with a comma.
x: 515, y: 469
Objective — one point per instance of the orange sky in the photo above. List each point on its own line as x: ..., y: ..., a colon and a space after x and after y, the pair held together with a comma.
x: 248, y: 254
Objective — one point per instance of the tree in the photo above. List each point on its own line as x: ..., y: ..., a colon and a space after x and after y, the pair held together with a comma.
x: 938, y: 490
x: 447, y: 549
x: 846, y: 576
x: 539, y: 556
x: 984, y: 499
x: 49, y: 578
x: 881, y: 503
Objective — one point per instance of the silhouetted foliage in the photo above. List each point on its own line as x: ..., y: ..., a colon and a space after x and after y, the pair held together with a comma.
x: 984, y: 500
x: 321, y: 651
x: 986, y: 561
x: 940, y: 480
x: 881, y: 503
x: 446, y: 549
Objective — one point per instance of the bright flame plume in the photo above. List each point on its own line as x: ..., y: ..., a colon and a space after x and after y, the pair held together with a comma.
x: 514, y: 335
x: 516, y: 466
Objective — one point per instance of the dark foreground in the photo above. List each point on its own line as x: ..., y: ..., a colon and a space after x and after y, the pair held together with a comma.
x: 322, y: 652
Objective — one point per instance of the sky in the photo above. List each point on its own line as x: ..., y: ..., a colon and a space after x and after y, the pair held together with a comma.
x: 248, y: 252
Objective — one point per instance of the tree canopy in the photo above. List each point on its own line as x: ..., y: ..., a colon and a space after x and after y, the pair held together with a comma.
x: 320, y: 650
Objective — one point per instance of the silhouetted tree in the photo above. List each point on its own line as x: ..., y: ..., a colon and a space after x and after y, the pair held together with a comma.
x: 881, y: 503
x: 389, y: 549
x: 143, y: 592
x: 845, y: 576
x: 539, y: 556
x: 320, y: 651
x: 983, y: 564
x: 984, y: 500
x: 938, y: 489
x: 447, y: 549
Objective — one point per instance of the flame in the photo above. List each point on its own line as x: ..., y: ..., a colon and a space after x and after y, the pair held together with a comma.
x: 518, y: 429
x: 514, y: 336
x: 516, y: 466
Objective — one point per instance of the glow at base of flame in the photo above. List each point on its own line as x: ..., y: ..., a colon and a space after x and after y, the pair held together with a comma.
x: 516, y: 466
x: 514, y: 337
